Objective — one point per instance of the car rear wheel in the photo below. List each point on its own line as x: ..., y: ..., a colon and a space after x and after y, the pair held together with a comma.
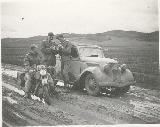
x: 91, y: 85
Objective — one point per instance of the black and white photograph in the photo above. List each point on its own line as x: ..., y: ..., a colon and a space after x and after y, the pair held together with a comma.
x: 80, y: 62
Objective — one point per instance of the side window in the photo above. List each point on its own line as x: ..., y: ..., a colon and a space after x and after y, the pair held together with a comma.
x: 74, y: 52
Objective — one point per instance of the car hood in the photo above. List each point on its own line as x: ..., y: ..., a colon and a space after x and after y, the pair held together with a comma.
x: 98, y: 60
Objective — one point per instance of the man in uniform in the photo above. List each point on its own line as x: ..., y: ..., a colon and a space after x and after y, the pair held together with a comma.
x: 65, y: 52
x: 48, y: 49
x: 31, y: 59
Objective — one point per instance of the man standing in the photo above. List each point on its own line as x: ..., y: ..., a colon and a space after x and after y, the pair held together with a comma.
x: 65, y: 52
x: 49, y: 51
x: 31, y: 59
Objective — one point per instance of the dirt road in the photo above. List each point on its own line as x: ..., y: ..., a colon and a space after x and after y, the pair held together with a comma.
x: 77, y: 108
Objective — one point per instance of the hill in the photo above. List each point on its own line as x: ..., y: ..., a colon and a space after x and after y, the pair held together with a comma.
x: 110, y: 38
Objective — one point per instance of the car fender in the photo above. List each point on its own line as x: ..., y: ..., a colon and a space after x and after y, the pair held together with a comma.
x: 93, y: 70
x: 127, y: 76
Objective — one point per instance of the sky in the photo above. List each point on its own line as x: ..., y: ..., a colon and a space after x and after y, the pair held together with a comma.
x: 26, y: 18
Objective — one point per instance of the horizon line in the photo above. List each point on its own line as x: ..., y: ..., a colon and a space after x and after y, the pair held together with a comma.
x: 87, y: 33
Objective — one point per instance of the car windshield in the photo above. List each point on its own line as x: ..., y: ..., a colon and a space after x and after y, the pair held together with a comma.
x: 91, y: 52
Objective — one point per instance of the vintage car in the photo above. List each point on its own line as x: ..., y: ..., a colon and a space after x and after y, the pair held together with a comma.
x: 90, y: 70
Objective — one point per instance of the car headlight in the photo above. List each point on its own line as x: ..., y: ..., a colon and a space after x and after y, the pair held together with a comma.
x: 107, y: 67
x: 123, y: 68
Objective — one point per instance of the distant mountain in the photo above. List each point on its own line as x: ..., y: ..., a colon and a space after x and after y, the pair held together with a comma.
x: 115, y: 36
x: 21, y: 42
x: 153, y: 36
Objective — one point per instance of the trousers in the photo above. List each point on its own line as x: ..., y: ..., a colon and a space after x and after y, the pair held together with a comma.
x: 28, y: 81
x: 65, y: 70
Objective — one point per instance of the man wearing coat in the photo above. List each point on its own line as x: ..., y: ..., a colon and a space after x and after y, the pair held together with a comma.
x: 49, y: 50
x: 65, y: 52
x: 31, y: 60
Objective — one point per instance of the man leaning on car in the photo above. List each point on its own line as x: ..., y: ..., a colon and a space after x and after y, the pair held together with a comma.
x: 65, y: 52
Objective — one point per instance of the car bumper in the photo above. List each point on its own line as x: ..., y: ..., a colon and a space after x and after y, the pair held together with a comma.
x: 117, y: 84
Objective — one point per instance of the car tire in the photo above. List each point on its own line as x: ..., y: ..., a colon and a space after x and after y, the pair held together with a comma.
x: 122, y: 90
x: 77, y: 86
x: 125, y: 89
x: 91, y: 85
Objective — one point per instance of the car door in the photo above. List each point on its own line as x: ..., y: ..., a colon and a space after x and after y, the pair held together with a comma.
x: 75, y: 65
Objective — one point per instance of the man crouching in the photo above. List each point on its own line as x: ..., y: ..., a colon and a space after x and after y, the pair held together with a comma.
x: 44, y: 83
x: 31, y: 60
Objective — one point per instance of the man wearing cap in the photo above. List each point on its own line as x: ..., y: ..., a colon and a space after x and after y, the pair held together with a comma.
x: 65, y: 52
x: 32, y: 58
x: 49, y: 51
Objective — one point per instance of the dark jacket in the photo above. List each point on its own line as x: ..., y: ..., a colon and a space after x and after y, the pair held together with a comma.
x: 32, y: 59
x: 66, y: 50
x: 48, y: 53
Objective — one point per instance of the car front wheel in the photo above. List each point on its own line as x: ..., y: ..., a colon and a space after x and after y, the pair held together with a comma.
x: 121, y: 90
x: 91, y: 85
x: 124, y: 89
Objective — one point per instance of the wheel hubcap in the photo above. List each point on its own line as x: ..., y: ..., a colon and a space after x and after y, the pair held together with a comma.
x: 92, y: 84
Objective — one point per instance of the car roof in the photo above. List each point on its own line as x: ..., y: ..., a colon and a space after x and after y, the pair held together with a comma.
x: 85, y: 45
